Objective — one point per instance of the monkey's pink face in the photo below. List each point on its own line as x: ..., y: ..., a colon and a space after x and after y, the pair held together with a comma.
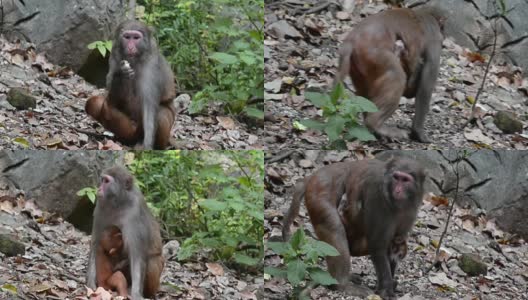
x: 403, y: 184
x: 106, y: 181
x: 132, y: 40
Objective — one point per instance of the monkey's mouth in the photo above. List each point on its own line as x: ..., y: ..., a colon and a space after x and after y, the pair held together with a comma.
x: 131, y: 52
x: 398, y: 194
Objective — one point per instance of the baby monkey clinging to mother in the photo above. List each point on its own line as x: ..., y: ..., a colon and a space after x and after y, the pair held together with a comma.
x: 140, y: 83
x: 392, y: 54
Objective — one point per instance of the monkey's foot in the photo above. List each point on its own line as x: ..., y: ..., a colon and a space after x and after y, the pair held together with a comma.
x: 419, y: 136
x: 355, y: 278
x: 392, y: 133
x: 357, y: 290
x: 387, y: 295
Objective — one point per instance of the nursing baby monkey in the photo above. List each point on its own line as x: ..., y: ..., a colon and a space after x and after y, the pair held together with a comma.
x: 126, y: 245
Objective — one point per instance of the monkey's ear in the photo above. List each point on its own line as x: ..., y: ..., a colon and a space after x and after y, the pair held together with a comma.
x: 129, y: 183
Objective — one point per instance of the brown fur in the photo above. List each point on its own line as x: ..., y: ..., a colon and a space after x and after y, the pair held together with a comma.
x: 362, y: 208
x: 384, y: 74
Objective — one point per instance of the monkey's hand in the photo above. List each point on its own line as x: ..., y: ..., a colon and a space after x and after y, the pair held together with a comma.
x: 126, y: 69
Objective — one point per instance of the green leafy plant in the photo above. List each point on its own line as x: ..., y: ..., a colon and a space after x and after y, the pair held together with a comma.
x: 215, y: 49
x: 102, y: 46
x: 234, y: 211
x: 211, y: 200
x: 89, y: 192
x: 301, y: 256
x: 341, y: 116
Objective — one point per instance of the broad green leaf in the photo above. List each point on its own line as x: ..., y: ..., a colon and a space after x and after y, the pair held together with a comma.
x: 81, y: 192
x: 246, y: 260
x: 91, y: 197
x: 296, y: 271
x: 365, y: 105
x: 254, y: 34
x: 211, y: 242
x: 337, y: 93
x: 299, y: 126
x: 317, y: 99
x: 298, y: 238
x: 230, y: 240
x: 322, y: 277
x: 247, y: 59
x: 334, y: 127
x: 258, y: 215
x: 339, y: 144
x: 213, y: 204
x: 254, y: 112
x: 361, y: 133
x: 101, y: 49
x: 276, y: 272
x: 313, y: 124
x: 224, y: 58
x: 323, y: 248
x: 236, y: 205
x: 279, y: 247
x: 93, y: 45
x: 240, y: 44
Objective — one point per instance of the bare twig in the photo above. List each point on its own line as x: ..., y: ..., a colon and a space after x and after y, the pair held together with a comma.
x: 454, y: 166
x: 472, y: 118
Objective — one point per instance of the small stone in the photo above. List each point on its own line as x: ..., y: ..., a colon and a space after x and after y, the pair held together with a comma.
x: 459, y: 96
x: 507, y: 122
x: 342, y: 15
x: 305, y: 163
x: 11, y: 247
x: 472, y: 264
x: 21, y: 99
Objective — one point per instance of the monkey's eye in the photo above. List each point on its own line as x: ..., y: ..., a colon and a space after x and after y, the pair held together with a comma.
x: 105, y: 180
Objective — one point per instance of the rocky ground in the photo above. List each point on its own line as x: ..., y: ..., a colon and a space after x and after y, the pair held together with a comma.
x: 52, y: 259
x: 470, y: 231
x: 51, y: 114
x: 301, y: 55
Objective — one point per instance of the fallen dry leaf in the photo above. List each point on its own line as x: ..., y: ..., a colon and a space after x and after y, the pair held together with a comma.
x: 215, y: 269
x: 438, y: 200
x: 226, y: 122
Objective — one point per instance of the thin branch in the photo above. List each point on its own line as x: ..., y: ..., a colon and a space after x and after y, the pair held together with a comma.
x: 456, y: 171
x: 472, y: 118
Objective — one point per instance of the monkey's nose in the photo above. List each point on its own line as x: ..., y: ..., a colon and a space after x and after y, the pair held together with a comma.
x: 105, y: 179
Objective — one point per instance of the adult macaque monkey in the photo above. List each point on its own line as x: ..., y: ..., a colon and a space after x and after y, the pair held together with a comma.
x: 121, y: 204
x: 392, y: 54
x: 140, y: 87
x: 378, y: 211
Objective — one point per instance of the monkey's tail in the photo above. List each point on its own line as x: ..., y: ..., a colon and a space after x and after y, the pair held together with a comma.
x: 298, y: 195
x: 345, y: 53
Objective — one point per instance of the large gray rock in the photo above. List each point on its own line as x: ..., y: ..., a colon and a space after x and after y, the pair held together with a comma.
x: 62, y: 28
x: 496, y: 181
x: 470, y: 23
x: 52, y: 179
